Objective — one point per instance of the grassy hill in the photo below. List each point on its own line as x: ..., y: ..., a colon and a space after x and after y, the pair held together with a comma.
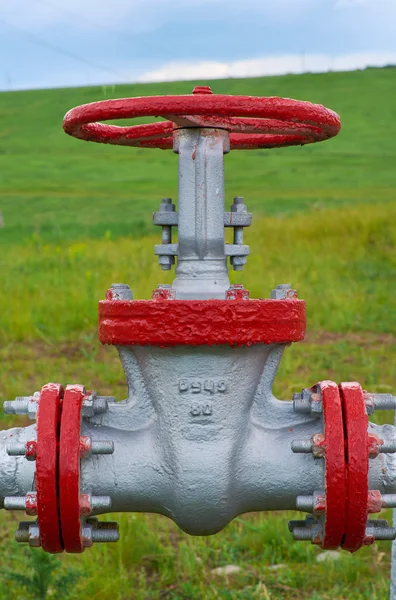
x: 64, y: 189
x: 78, y: 216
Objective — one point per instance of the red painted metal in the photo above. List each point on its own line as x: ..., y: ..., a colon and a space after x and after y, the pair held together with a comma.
x: 48, y: 417
x: 69, y: 468
x: 201, y: 322
x: 31, y: 450
x: 356, y: 423
x: 335, y: 475
x: 252, y: 122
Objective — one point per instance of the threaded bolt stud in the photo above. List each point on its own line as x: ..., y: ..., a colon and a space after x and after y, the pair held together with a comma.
x: 303, y: 534
x: 106, y: 534
x: 100, y: 503
x: 16, y: 407
x: 15, y: 503
x: 301, y: 446
x: 102, y: 447
x: 16, y: 449
x: 381, y: 533
x: 305, y: 503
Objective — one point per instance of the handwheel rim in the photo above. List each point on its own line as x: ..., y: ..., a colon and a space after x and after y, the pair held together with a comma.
x: 309, y: 122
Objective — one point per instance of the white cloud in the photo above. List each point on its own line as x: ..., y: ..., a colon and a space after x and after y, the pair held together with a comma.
x: 267, y: 65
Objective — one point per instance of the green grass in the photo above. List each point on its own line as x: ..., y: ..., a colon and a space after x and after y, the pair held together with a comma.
x: 77, y: 218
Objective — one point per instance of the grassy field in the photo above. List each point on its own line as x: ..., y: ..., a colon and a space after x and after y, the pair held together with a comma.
x: 78, y: 216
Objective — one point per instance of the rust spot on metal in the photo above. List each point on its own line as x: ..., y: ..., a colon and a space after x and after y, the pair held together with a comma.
x: 237, y: 292
x: 31, y: 504
x: 85, y: 505
x: 85, y: 446
x: 320, y: 505
x: 31, y: 449
x: 164, y: 294
x: 318, y: 445
x: 375, y: 503
x: 373, y: 445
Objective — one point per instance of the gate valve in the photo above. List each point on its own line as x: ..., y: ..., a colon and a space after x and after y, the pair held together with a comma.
x: 195, y: 438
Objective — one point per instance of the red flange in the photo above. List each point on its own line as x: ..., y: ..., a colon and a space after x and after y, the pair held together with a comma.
x: 356, y: 423
x: 69, y: 468
x: 201, y: 322
x: 335, y: 475
x: 252, y: 122
x: 48, y: 417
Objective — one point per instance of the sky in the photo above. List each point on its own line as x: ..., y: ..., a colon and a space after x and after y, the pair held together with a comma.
x: 62, y: 43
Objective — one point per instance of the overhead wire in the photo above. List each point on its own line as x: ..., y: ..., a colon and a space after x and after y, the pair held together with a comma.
x: 49, y: 45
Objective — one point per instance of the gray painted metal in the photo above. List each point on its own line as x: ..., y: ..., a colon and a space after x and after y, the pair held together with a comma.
x: 201, y: 270
x: 200, y: 439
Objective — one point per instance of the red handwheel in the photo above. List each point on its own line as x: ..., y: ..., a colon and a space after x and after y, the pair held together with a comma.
x: 253, y: 122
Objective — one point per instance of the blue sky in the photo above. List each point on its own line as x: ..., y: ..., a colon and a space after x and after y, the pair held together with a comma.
x: 47, y: 43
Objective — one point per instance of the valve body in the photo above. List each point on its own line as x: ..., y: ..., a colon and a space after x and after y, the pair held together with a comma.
x: 201, y: 437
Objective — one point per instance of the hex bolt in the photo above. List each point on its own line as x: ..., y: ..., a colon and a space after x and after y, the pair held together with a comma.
x: 239, y: 206
x: 308, y: 402
x: 95, y: 405
x: 22, y: 533
x: 301, y: 446
x: 121, y: 291
x: 28, y: 532
x: 296, y: 523
x: 166, y: 261
x: 283, y: 291
x: 22, y: 405
x: 16, y: 407
x: 301, y: 404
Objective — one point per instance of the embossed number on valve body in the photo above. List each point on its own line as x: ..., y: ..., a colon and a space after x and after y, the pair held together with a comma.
x: 205, y: 387
x: 200, y: 386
